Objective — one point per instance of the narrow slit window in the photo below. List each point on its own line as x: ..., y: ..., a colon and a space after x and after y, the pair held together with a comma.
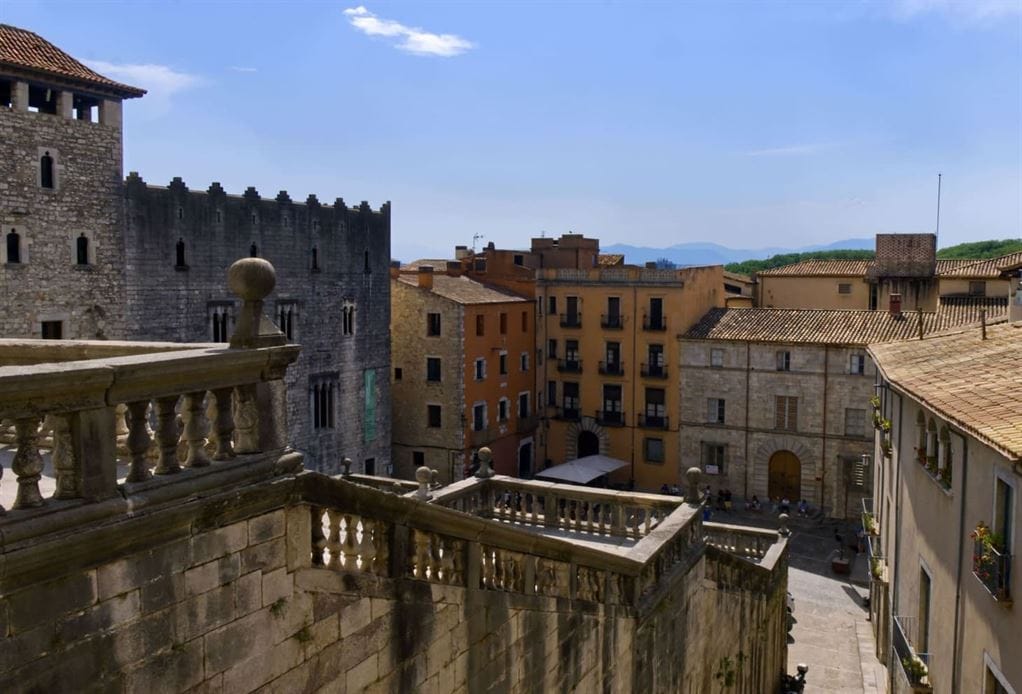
x: 253, y: 251
x: 46, y: 171
x: 179, y: 253
x: 82, y: 249
x: 13, y: 247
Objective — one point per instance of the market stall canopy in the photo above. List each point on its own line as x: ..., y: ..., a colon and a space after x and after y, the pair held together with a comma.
x: 582, y: 470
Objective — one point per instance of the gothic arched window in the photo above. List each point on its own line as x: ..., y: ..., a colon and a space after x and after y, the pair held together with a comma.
x: 46, y: 170
x: 13, y: 247
x: 82, y: 248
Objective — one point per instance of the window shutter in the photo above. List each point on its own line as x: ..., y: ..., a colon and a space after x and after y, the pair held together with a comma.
x: 792, y: 413
x: 779, y: 412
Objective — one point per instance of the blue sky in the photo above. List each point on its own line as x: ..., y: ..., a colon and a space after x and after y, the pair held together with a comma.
x: 749, y: 124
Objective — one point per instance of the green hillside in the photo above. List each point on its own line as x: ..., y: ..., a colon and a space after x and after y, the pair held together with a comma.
x: 974, y: 249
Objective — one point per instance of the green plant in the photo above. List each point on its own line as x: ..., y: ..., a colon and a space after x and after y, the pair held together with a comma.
x: 915, y: 668
x: 278, y: 607
x: 875, y: 567
x: 869, y: 523
x: 885, y: 425
x: 303, y: 635
x: 875, y: 402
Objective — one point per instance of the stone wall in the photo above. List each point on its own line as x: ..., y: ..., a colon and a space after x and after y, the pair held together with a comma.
x: 175, y: 302
x: 48, y: 284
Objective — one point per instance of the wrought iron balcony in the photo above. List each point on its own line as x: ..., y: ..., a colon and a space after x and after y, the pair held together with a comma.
x: 648, y: 421
x: 571, y: 366
x: 569, y: 414
x: 655, y: 323
x: 610, y: 418
x: 993, y: 569
x: 612, y: 321
x: 612, y: 368
x: 910, y: 671
x: 571, y: 320
x: 654, y: 371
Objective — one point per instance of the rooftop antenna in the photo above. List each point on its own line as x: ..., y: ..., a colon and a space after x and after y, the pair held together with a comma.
x: 937, y: 234
x: 476, y: 237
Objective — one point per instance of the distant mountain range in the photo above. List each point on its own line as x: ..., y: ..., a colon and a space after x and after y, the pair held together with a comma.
x: 714, y: 254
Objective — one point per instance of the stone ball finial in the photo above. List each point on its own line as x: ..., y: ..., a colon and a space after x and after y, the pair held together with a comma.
x: 422, y: 476
x: 252, y: 279
x: 783, y: 519
x: 346, y: 467
x: 692, y: 477
x: 485, y: 458
x: 434, y: 478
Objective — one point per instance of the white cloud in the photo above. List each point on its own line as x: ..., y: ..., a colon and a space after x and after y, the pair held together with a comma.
x: 238, y: 68
x: 789, y: 151
x: 967, y: 10
x: 409, y: 39
x: 160, y: 82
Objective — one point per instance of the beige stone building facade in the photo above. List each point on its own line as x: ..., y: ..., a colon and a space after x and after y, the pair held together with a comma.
x: 775, y: 403
x: 947, y: 511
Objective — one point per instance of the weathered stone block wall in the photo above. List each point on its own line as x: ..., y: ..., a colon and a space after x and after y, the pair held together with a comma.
x: 410, y: 396
x: 48, y: 284
x: 166, y: 301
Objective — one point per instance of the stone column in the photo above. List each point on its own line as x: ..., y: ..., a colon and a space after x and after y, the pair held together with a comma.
x: 65, y: 104
x: 110, y: 113
x: 19, y: 96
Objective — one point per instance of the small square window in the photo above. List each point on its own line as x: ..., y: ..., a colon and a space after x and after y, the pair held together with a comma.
x: 977, y: 288
x: 844, y: 288
x: 784, y: 361
x: 52, y: 330
x: 519, y: 259
x: 433, y: 416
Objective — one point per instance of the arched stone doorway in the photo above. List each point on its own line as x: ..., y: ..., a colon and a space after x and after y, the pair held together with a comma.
x: 785, y: 476
x: 588, y: 444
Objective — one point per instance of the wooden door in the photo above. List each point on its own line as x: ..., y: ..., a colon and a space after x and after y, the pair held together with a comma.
x: 785, y: 477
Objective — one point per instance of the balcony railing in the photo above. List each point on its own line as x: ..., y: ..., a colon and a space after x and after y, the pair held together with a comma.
x: 905, y: 636
x: 993, y: 569
x: 612, y: 368
x: 569, y: 414
x: 572, y: 366
x: 654, y: 371
x: 653, y: 421
x: 571, y: 320
x: 655, y: 323
x: 611, y: 321
x: 610, y: 418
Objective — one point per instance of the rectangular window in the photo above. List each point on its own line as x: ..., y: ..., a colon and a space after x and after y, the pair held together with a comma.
x: 503, y: 363
x: 977, y: 288
x: 552, y: 305
x: 551, y: 349
x: 348, y: 318
x: 786, y: 413
x: 418, y: 459
x: 518, y: 259
x: 655, y: 413
x: 503, y: 324
x: 370, y: 466
x: 433, y: 324
x: 716, y: 358
x: 857, y: 364
x: 571, y: 350
x: 713, y: 456
x: 322, y: 392
x: 502, y: 410
x: 523, y: 362
x: 480, y: 325
x: 287, y: 314
x: 433, y: 369
x: 433, y: 416
x: 221, y: 316
x: 569, y: 396
x: 54, y: 330
x: 398, y: 373
x: 922, y: 644
x: 855, y: 422
x: 551, y: 393
x: 784, y: 361
x: 480, y: 369
x: 653, y: 450
x: 844, y: 288
x: 1003, y: 510
x: 715, y: 410
x: 479, y: 417
x: 525, y: 321
x: 523, y: 406
x: 612, y: 405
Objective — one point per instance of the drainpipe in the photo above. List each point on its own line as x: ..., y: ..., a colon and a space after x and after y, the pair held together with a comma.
x: 748, y: 467
x: 956, y: 653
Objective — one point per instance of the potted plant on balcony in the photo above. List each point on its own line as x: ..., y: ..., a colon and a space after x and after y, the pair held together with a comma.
x: 870, y: 524
x: 984, y: 558
x: 916, y: 670
x: 885, y: 446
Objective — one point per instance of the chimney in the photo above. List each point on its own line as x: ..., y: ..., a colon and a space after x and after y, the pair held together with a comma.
x: 895, y: 305
x: 460, y: 252
x: 426, y: 276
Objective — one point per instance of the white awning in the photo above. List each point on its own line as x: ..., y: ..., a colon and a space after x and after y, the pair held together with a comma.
x: 581, y: 470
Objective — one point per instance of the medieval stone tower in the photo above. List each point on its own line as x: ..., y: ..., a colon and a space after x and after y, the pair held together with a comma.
x: 88, y: 255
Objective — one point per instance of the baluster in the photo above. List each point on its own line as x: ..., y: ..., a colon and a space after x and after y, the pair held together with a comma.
x: 222, y: 423
x: 349, y: 547
x: 121, y: 429
x: 246, y: 419
x: 601, y: 518
x: 381, y: 548
x: 195, y: 430
x: 333, y: 538
x: 446, y: 560
x: 138, y: 441
x: 64, y: 467
x: 27, y: 463
x: 166, y: 436
x: 512, y: 505
x: 420, y: 556
x: 488, y: 569
x: 648, y: 513
x: 456, y: 548
x: 533, y: 504
x: 589, y: 516
x: 367, y: 547
x: 318, y: 541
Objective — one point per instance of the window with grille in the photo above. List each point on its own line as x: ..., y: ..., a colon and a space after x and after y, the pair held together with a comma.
x: 844, y: 288
x: 786, y: 413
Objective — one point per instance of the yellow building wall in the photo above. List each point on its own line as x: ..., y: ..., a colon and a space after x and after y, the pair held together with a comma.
x: 812, y: 292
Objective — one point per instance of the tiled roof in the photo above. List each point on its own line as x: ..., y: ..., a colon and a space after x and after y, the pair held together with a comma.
x: 975, y: 383
x: 822, y: 268
x: 435, y: 263
x: 463, y: 290
x: 610, y: 259
x: 29, y: 51
x: 990, y: 268
x: 962, y: 310
x: 827, y: 326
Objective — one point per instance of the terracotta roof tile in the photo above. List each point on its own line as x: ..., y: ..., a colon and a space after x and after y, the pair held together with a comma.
x: 990, y: 268
x: 975, y: 383
x: 463, y: 290
x: 833, y: 326
x: 29, y: 51
x: 610, y: 259
x: 824, y: 268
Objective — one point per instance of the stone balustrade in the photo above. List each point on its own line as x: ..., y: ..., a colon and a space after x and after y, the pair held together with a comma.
x: 740, y: 540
